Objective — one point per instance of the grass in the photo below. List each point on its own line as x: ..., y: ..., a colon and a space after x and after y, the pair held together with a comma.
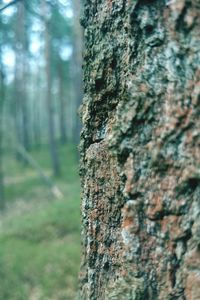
x: 40, y: 235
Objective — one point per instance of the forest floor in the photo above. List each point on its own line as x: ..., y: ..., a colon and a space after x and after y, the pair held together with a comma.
x: 40, y: 235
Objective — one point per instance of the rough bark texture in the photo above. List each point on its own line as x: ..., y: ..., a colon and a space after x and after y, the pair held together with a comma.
x: 140, y: 148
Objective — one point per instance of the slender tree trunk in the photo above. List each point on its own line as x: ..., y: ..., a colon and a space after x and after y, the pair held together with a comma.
x: 25, y: 74
x: 22, y: 36
x: 20, y: 95
x: 17, y: 74
x: 140, y: 151
x: 2, y: 97
x: 62, y: 106
x: 49, y: 101
x: 37, y: 128
x: 77, y: 67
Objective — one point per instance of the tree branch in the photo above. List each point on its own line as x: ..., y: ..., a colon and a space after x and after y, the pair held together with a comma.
x: 33, y: 12
x: 9, y: 4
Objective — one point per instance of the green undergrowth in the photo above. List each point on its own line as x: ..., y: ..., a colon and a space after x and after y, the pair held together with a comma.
x: 39, y: 234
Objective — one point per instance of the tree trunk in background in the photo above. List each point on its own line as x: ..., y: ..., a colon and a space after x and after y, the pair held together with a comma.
x: 49, y: 100
x: 140, y: 150
x: 24, y: 66
x: 62, y: 105
x: 77, y: 66
x: 2, y: 97
x: 37, y: 128
x: 20, y: 95
x: 17, y: 79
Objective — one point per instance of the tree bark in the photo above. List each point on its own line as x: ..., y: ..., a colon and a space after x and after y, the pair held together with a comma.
x: 140, y: 154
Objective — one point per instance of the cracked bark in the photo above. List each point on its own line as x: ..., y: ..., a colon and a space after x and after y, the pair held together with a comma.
x: 140, y: 157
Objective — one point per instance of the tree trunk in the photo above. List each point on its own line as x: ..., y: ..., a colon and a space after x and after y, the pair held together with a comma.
x: 20, y: 95
x: 17, y: 97
x: 77, y: 67
x: 62, y: 105
x: 140, y: 154
x: 37, y: 128
x: 49, y: 100
x: 22, y: 73
x: 2, y: 98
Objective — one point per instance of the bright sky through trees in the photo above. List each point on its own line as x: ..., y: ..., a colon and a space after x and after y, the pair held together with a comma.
x: 35, y: 40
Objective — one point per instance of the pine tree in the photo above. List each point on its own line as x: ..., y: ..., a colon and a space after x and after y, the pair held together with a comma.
x: 140, y: 163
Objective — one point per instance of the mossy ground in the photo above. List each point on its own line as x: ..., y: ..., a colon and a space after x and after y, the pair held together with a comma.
x: 40, y: 235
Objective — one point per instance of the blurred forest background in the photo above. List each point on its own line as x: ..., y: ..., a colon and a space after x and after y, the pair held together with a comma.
x: 40, y: 92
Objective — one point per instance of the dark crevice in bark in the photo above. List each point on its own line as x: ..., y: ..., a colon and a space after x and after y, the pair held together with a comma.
x: 180, y: 24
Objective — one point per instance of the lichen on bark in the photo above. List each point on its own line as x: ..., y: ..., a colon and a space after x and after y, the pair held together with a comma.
x: 140, y: 150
